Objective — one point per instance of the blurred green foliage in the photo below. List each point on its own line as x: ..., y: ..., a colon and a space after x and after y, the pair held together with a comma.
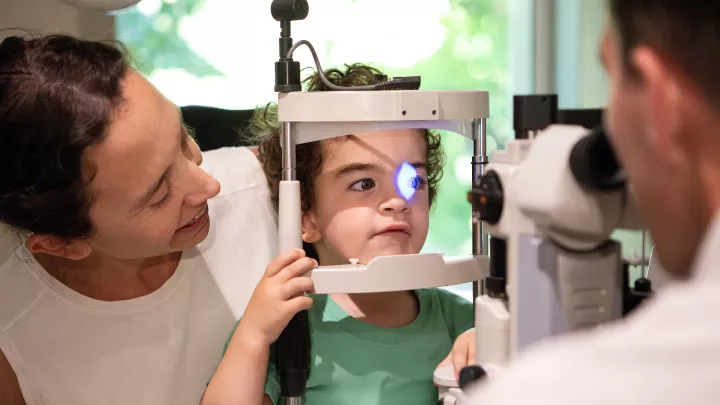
x: 473, y: 57
x: 154, y: 40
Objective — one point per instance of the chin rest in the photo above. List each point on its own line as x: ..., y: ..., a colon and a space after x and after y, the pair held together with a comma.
x: 216, y: 127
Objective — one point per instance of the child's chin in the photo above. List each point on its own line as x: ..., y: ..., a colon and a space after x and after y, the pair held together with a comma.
x: 390, y: 251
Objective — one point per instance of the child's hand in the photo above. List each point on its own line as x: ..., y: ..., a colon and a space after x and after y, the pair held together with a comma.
x: 277, y: 298
x: 462, y: 354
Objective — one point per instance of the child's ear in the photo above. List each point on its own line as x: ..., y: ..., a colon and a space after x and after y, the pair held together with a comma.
x: 310, y: 232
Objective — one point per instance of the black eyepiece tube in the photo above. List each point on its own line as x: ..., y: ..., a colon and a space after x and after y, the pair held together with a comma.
x: 594, y: 165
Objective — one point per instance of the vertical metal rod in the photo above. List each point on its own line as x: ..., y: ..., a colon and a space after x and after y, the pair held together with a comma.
x: 643, y: 257
x: 479, y: 161
x: 293, y: 344
x: 288, y: 146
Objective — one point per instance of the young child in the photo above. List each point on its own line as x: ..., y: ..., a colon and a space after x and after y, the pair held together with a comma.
x: 379, y: 348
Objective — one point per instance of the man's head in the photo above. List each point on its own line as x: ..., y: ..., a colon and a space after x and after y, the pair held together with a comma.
x: 664, y: 116
x: 350, y: 200
x: 94, y: 160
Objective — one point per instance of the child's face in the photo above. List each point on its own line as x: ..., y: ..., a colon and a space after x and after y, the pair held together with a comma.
x: 358, y: 212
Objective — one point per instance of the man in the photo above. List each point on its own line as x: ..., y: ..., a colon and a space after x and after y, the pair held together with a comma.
x: 664, y: 115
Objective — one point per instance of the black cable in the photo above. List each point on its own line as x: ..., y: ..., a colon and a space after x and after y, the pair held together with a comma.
x: 408, y: 82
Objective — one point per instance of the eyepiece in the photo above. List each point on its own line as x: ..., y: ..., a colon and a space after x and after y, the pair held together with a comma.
x: 594, y: 165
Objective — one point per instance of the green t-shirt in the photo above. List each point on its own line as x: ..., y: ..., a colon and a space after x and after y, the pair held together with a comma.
x: 356, y: 363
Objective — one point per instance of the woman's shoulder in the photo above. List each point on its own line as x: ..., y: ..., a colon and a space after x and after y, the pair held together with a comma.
x: 236, y: 169
x: 20, y: 288
x: 242, y: 214
x: 9, y: 242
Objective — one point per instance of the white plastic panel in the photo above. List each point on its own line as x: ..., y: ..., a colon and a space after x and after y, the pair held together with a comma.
x: 444, y: 378
x: 399, y: 273
x: 383, y: 105
x: 492, y: 331
x: 548, y: 193
x: 289, y: 217
x: 590, y: 286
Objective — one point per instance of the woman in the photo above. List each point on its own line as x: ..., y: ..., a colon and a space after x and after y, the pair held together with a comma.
x: 139, y: 253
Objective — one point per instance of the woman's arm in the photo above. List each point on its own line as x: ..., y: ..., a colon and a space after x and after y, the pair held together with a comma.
x: 10, y: 393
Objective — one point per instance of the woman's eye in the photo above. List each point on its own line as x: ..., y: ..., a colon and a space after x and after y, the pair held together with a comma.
x: 164, y: 199
x: 362, y: 185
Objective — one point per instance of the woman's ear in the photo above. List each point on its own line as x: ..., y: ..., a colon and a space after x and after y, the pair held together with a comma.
x: 310, y: 232
x: 53, y: 245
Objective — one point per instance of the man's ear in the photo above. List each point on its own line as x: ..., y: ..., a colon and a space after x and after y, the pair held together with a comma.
x: 663, y: 98
x: 56, y: 246
x: 310, y: 232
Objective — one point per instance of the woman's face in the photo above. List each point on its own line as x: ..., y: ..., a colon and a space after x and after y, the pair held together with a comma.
x: 149, y: 193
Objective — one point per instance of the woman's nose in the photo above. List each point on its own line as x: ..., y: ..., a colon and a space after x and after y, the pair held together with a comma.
x: 205, y: 188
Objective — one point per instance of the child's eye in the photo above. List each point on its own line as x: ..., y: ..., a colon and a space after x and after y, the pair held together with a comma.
x: 362, y: 185
x: 418, y: 182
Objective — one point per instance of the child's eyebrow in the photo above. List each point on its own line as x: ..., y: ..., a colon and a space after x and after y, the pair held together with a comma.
x: 356, y: 167
x: 369, y: 167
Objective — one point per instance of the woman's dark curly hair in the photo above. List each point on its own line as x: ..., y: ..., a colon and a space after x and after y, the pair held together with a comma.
x: 265, y: 130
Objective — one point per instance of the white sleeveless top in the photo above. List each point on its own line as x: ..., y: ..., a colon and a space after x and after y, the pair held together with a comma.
x: 68, y: 349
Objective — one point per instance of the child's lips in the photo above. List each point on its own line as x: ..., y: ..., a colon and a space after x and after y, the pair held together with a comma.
x: 395, y: 229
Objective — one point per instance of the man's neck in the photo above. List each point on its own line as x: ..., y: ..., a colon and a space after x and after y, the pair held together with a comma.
x: 106, y: 278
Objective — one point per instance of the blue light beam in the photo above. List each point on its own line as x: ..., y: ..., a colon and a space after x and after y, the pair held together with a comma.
x: 406, y: 181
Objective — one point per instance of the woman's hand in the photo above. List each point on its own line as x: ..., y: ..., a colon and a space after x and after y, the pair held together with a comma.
x: 462, y: 353
x: 277, y: 298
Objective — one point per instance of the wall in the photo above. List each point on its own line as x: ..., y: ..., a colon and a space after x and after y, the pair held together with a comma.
x: 593, y: 90
x: 51, y: 16
x: 580, y: 80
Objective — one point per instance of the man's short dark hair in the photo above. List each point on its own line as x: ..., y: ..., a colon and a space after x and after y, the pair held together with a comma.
x: 685, y: 31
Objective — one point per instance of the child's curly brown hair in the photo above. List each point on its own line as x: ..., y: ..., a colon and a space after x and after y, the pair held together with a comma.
x: 265, y: 130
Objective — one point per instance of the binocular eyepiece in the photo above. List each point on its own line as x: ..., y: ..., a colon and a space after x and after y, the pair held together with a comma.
x: 592, y: 161
x: 594, y: 165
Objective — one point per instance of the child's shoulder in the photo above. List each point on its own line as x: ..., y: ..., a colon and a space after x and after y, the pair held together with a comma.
x: 444, y: 297
x: 455, y: 311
